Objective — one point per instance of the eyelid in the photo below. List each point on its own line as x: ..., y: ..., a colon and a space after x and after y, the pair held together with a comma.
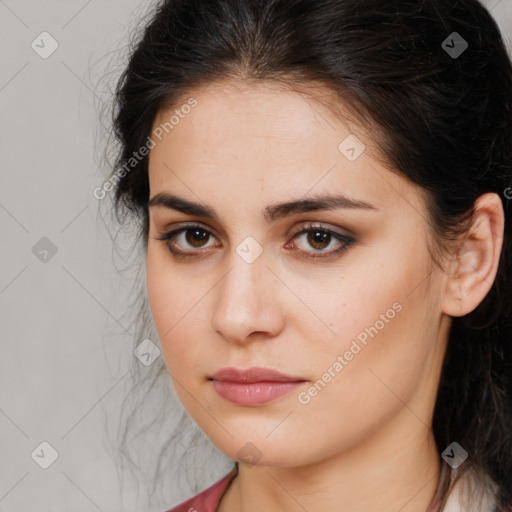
x: 323, y: 226
x: 304, y: 224
x: 175, y: 226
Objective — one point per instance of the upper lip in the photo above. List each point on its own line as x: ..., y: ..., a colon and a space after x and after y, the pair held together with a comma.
x: 254, y: 374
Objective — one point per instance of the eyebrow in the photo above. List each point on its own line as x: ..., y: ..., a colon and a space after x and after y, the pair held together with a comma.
x: 271, y: 213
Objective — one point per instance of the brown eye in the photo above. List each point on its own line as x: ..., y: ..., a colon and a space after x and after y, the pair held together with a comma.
x: 319, y: 238
x: 196, y: 236
x: 186, y: 240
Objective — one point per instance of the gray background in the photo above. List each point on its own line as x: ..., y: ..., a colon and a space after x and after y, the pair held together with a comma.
x: 66, y: 352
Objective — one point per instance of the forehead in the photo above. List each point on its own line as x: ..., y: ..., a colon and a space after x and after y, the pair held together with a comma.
x: 267, y: 138
x: 263, y: 109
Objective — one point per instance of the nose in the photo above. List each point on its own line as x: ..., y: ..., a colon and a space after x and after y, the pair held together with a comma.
x: 247, y: 304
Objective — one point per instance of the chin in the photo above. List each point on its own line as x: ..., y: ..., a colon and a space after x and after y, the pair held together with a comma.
x: 262, y: 453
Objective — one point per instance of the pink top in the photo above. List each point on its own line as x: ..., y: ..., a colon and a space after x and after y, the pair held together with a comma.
x: 209, y: 499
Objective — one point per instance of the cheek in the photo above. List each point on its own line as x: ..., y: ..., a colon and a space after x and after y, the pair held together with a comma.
x: 177, y: 304
x: 377, y: 293
x: 167, y: 297
x: 381, y: 325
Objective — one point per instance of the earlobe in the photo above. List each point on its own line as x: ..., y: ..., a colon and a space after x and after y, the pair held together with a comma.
x: 473, y: 272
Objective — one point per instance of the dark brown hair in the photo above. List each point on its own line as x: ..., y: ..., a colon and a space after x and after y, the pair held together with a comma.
x: 444, y: 121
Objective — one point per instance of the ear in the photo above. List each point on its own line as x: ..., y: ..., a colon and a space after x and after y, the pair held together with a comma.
x: 475, y: 264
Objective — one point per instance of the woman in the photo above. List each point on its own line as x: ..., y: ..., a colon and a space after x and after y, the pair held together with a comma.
x: 323, y: 190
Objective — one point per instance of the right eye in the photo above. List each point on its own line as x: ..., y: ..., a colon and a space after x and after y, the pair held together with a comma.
x: 192, y: 234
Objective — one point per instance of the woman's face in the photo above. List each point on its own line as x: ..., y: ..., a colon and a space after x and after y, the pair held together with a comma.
x: 349, y: 310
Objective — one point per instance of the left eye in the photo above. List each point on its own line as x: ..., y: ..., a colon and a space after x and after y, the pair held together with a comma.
x: 318, y: 237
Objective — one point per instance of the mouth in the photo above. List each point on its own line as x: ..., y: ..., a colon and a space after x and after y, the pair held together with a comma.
x: 254, y: 386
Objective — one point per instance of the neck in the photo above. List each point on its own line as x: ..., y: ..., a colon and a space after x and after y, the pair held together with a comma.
x: 386, y: 473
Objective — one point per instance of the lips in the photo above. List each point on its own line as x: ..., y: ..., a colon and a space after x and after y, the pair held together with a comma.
x: 254, y: 374
x: 254, y: 386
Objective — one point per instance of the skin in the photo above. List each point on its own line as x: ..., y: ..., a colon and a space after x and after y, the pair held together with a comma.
x: 365, y: 440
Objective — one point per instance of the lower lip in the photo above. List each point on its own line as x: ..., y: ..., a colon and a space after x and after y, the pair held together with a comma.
x: 253, y: 393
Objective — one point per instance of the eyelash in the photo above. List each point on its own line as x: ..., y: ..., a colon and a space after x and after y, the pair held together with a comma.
x: 345, y: 240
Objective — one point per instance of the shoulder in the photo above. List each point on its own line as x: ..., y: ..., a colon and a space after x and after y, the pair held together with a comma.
x: 207, y: 500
